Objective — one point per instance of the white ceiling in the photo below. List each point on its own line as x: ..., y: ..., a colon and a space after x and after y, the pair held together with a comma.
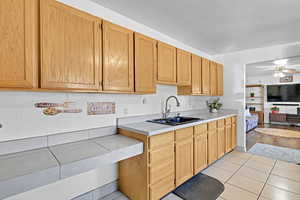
x: 217, y: 26
x: 268, y: 67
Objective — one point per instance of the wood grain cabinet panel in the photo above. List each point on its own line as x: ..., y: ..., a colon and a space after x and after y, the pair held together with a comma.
x: 205, y: 77
x: 145, y: 64
x: 221, y: 137
x: 184, y: 63
x: 18, y: 43
x: 196, y: 83
x: 70, y: 48
x: 166, y: 67
x: 184, y: 158
x: 212, y: 142
x: 213, y: 79
x: 220, y: 80
x: 234, y: 133
x: 228, y: 135
x: 200, y: 148
x: 118, y: 69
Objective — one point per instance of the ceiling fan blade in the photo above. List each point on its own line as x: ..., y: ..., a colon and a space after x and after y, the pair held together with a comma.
x: 289, y: 71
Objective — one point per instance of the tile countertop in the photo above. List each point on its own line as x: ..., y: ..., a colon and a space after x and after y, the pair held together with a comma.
x: 23, y: 171
x: 149, y: 128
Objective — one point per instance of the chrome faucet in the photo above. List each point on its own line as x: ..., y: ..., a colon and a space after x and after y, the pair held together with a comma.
x: 167, y: 111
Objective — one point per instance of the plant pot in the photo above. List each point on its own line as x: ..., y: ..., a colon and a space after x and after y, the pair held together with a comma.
x: 275, y: 111
x: 214, y: 110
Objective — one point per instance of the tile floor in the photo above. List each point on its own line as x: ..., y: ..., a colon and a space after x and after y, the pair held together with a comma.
x: 252, y: 177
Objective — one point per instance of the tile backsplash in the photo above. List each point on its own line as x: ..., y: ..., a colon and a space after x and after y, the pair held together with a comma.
x: 20, y: 119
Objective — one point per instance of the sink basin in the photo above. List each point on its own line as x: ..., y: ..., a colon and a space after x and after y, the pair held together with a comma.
x: 174, y: 121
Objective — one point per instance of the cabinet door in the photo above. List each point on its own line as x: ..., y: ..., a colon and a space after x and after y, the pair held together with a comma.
x: 183, y: 67
x: 145, y: 64
x: 221, y: 138
x: 18, y: 43
x: 200, y: 152
x: 234, y: 133
x: 212, y: 142
x: 184, y: 160
x: 196, y: 75
x: 228, y: 138
x: 70, y: 47
x: 220, y: 80
x: 166, y: 67
x: 213, y: 79
x: 205, y: 77
x: 118, y: 58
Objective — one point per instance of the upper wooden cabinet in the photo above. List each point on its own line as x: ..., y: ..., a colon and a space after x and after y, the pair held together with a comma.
x: 220, y: 80
x: 18, y: 43
x: 205, y: 76
x: 145, y: 64
x: 70, y: 48
x: 213, y: 79
x: 196, y: 83
x: 166, y: 66
x: 184, y: 65
x: 118, y: 71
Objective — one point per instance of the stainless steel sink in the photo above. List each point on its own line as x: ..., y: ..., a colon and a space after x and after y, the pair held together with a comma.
x: 174, y: 121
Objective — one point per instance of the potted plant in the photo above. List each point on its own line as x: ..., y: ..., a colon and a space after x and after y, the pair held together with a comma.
x: 275, y: 110
x: 252, y: 94
x: 214, y: 106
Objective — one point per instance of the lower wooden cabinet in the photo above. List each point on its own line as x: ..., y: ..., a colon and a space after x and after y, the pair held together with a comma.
x: 221, y: 137
x: 200, y: 148
x: 184, y: 157
x: 228, y: 133
x: 171, y: 158
x: 212, y: 142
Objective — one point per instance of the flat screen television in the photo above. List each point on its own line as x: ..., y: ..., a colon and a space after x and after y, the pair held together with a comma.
x: 283, y: 93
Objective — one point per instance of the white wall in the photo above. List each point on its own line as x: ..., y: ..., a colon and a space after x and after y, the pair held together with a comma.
x: 235, y: 80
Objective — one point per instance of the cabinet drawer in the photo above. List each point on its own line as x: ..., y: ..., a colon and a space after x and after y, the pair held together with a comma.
x: 200, y: 129
x: 162, y: 188
x: 159, y: 172
x: 185, y: 133
x: 161, y: 140
x: 221, y: 123
x: 161, y: 155
x: 228, y: 121
x: 212, y: 126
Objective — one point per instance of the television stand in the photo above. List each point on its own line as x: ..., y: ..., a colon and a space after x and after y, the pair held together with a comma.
x: 285, y: 118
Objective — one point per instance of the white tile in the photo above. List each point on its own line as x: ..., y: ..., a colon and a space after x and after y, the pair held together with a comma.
x: 22, y: 145
x: 112, y: 196
x: 27, y: 162
x: 226, y: 165
x: 263, y: 160
x: 102, y: 131
x: 284, y: 183
x: 252, y: 173
x: 67, y: 137
x: 274, y: 193
x: 246, y: 183
x: 105, y: 190
x: 220, y: 174
x: 87, y: 196
x: 260, y: 166
x: 235, y: 193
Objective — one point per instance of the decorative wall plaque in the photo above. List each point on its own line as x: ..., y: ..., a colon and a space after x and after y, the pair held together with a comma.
x: 51, y: 108
x: 286, y: 79
x: 101, y: 108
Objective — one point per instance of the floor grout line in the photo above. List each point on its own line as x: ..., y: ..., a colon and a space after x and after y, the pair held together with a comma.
x: 266, y: 180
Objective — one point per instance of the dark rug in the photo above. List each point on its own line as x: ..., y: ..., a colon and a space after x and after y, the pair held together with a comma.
x: 200, y: 187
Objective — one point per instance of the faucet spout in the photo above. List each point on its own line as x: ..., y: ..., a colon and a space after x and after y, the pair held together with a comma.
x: 167, y: 111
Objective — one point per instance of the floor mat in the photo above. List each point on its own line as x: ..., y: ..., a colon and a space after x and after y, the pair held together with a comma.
x: 275, y: 152
x: 200, y: 187
x: 279, y: 132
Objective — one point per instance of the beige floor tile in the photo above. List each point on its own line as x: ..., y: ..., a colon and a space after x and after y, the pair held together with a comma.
x: 171, y: 196
x: 275, y: 193
x: 252, y: 173
x: 263, y: 198
x: 235, y: 159
x: 246, y: 183
x: 241, y: 154
x: 293, y: 174
x: 287, y: 165
x: 259, y: 166
x: 264, y: 160
x: 284, y: 183
x: 220, y: 198
x: 235, y: 193
x: 226, y: 165
x: 220, y: 174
